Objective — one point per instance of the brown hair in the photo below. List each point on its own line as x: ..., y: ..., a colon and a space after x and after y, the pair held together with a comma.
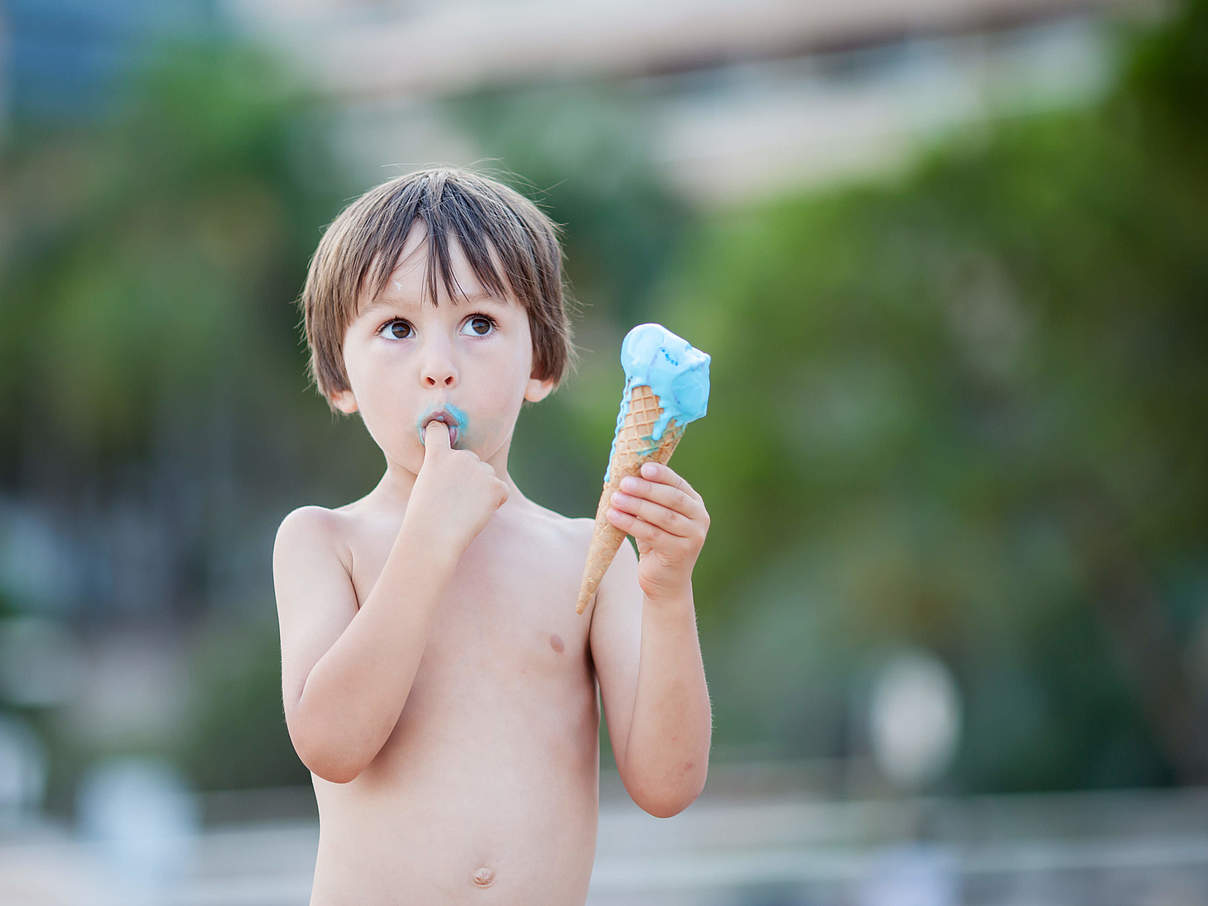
x: 362, y: 245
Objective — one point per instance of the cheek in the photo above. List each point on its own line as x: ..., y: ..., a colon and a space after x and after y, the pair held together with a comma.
x: 496, y: 405
x: 380, y: 406
x: 485, y: 416
x: 484, y: 428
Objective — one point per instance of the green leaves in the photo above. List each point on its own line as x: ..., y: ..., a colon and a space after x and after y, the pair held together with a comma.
x: 920, y: 392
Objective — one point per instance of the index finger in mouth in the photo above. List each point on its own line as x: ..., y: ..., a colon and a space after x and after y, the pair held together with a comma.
x: 450, y: 437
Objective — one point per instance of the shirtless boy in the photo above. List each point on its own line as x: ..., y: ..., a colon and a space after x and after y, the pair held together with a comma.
x: 437, y: 681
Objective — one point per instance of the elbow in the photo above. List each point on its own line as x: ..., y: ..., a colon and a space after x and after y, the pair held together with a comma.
x: 667, y: 805
x: 320, y: 760
x: 664, y: 809
x: 668, y: 800
x: 334, y: 772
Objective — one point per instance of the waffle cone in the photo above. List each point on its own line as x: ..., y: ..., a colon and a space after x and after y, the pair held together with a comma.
x: 633, y: 448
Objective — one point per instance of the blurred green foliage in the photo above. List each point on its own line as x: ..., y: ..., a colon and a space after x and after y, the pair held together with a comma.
x: 140, y: 247
x: 236, y: 737
x: 148, y: 267
x: 961, y: 409
x: 964, y: 410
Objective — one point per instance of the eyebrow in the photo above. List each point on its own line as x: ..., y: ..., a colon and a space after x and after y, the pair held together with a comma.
x: 410, y: 303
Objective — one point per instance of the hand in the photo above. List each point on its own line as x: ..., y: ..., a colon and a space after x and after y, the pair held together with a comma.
x: 455, y: 493
x: 668, y: 521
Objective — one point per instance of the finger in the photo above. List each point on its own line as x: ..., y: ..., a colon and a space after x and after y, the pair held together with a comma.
x: 649, y: 537
x: 670, y: 521
x: 667, y: 495
x: 631, y: 525
x: 664, y: 474
x: 436, y: 438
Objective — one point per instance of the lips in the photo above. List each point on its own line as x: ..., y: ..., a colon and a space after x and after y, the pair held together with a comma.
x: 441, y: 415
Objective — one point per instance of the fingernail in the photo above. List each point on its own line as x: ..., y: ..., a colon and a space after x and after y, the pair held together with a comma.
x: 650, y: 470
x: 629, y: 484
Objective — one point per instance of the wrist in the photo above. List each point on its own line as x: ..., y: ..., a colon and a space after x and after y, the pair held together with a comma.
x: 670, y: 617
x: 671, y: 597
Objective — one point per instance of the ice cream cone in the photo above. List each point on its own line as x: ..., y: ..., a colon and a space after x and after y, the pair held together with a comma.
x: 634, y: 445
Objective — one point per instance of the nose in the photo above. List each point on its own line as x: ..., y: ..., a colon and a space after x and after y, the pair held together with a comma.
x: 438, y: 369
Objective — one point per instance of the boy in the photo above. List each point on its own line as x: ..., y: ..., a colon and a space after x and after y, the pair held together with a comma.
x: 437, y: 681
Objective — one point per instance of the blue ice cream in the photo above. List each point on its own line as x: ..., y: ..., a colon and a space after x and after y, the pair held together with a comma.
x: 453, y: 417
x: 675, y: 370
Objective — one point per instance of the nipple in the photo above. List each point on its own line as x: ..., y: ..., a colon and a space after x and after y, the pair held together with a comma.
x: 484, y: 877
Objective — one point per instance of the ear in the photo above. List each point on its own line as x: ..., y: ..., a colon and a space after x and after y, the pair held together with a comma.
x: 538, y: 390
x: 344, y: 401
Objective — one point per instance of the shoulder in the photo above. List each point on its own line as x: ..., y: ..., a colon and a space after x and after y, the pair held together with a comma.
x: 568, y: 530
x: 309, y: 529
x: 306, y: 521
x: 565, y: 539
x: 577, y: 532
x: 580, y: 529
x: 619, y: 578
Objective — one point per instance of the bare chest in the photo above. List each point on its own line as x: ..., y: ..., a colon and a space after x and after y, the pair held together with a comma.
x: 505, y: 648
x: 511, y: 596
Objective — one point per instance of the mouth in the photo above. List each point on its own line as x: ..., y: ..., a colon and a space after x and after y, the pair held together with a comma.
x: 445, y: 418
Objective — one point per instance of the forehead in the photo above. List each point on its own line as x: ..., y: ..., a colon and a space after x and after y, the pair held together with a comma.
x: 408, y: 283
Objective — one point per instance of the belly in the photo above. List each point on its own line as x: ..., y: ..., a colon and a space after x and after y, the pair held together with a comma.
x: 483, y: 794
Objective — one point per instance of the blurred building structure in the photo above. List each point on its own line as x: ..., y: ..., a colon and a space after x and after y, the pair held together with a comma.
x: 740, y: 99
x: 425, y: 49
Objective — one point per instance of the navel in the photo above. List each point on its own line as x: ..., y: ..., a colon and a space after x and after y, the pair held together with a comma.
x: 484, y: 877
x: 555, y: 642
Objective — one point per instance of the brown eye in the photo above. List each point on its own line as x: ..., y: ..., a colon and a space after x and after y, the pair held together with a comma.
x: 399, y: 330
x: 481, y: 325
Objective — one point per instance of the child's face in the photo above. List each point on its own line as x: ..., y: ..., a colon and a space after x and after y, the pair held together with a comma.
x: 472, y: 360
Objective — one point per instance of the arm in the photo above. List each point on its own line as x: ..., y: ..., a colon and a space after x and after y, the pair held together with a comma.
x: 647, y: 653
x: 346, y: 673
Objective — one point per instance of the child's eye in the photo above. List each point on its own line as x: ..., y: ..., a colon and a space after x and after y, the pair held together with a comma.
x: 396, y: 327
x: 480, y: 325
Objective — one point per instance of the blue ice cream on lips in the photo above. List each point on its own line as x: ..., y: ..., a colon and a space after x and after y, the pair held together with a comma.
x: 675, y: 370
x: 449, y: 414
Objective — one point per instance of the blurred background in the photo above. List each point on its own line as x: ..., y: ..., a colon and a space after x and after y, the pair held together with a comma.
x: 950, y: 258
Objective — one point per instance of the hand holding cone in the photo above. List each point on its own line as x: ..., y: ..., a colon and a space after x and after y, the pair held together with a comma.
x: 632, y: 448
x: 667, y: 386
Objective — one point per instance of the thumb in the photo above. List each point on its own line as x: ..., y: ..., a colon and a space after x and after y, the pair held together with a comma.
x: 436, y: 439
